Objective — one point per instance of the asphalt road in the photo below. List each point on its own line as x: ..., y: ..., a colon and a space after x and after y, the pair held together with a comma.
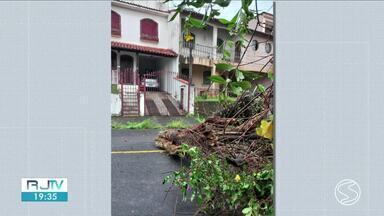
x: 137, y: 177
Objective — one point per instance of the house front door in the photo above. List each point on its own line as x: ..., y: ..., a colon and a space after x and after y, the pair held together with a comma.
x: 126, y: 69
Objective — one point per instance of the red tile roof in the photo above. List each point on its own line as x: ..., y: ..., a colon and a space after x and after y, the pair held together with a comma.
x: 144, y: 49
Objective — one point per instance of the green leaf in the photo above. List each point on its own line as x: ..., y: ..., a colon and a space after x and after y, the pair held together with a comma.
x: 236, y: 90
x: 214, y: 12
x: 242, y: 84
x: 247, y: 210
x: 245, y: 5
x: 229, y: 43
x: 222, y: 3
x: 270, y: 76
x: 226, y: 54
x: 261, y: 88
x: 199, y: 199
x: 239, y: 75
x: 197, y: 4
x: 174, y: 15
x: 224, y: 67
x: 217, y: 79
x: 195, y: 22
x: 224, y: 21
x: 234, y: 18
x: 233, y: 21
x: 251, y: 75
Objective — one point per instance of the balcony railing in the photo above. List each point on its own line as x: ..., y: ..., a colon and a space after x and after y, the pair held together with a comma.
x: 198, y: 50
x: 203, y: 51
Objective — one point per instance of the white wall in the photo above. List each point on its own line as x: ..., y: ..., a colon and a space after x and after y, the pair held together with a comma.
x: 174, y: 32
x: 156, y: 4
x: 115, y: 104
x: 252, y: 55
x: 175, y: 91
x: 130, y: 25
x: 142, y: 104
x: 202, y: 36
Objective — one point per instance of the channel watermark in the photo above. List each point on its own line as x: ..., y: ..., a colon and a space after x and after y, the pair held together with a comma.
x: 44, y: 190
x: 347, y: 192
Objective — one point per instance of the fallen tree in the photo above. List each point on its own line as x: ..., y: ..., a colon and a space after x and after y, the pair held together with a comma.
x: 230, y: 158
x: 230, y: 133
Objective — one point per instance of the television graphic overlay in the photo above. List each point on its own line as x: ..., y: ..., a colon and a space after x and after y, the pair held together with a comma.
x: 44, y: 190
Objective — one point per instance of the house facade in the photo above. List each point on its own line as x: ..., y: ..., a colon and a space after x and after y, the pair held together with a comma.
x: 150, y: 59
x: 207, y: 51
x: 144, y: 60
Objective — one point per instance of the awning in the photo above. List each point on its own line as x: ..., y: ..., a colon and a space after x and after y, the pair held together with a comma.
x: 144, y: 49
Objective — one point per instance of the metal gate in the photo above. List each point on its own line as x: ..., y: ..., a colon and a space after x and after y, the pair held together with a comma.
x: 151, y: 80
x: 129, y: 82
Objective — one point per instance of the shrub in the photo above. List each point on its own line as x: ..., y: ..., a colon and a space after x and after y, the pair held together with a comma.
x: 221, y: 188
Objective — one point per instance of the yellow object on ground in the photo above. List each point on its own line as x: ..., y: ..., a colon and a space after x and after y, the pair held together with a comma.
x: 265, y: 130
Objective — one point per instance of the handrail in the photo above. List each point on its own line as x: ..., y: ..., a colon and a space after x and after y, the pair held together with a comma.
x: 201, y: 51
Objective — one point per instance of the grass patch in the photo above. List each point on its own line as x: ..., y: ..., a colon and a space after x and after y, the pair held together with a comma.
x: 177, y: 124
x: 145, y: 124
x: 150, y: 124
x: 197, y: 117
x: 203, y: 98
x: 200, y: 119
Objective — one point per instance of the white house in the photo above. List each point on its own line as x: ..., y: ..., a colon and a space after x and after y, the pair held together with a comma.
x: 145, y: 60
x: 150, y: 59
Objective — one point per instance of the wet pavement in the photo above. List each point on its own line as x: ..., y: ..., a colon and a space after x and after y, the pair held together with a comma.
x: 138, y: 170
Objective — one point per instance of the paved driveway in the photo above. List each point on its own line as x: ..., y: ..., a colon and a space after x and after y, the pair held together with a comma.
x: 138, y: 169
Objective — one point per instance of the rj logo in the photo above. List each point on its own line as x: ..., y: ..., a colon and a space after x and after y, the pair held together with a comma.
x: 50, y: 184
x: 44, y: 189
